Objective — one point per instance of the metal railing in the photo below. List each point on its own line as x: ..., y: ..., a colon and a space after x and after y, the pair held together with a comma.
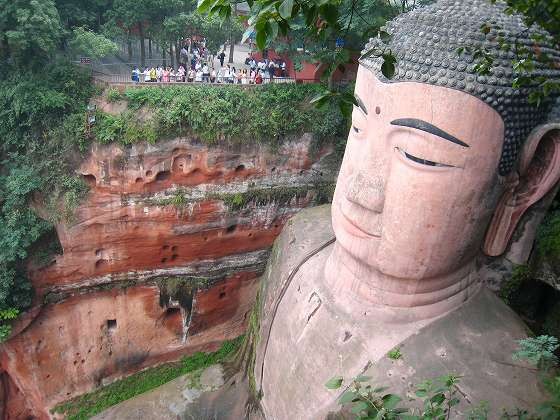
x: 121, y: 79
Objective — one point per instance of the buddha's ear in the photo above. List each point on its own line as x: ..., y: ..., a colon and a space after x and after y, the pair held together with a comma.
x: 538, y: 173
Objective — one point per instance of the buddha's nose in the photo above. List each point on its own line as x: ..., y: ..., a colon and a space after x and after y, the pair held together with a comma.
x: 366, y: 191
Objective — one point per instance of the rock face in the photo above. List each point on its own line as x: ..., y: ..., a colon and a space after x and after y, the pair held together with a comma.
x: 161, y: 260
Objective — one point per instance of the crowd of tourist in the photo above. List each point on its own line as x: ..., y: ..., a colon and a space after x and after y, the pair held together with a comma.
x: 198, y: 66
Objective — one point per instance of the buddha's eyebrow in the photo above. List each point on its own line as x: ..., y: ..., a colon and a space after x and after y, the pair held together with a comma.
x: 361, y: 104
x: 428, y: 128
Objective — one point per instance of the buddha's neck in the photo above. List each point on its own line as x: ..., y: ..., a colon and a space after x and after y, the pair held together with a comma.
x: 353, y: 282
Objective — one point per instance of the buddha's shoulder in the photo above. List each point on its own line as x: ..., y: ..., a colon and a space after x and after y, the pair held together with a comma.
x: 304, y: 236
x: 307, y: 230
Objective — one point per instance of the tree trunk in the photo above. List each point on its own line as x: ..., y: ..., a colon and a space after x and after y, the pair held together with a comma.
x: 230, y: 51
x: 177, y: 53
x: 163, y: 56
x: 231, y: 40
x: 129, y: 47
x: 171, y: 55
x: 142, y: 45
x: 150, y: 48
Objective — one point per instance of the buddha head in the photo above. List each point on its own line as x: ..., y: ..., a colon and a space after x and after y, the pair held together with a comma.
x: 441, y: 162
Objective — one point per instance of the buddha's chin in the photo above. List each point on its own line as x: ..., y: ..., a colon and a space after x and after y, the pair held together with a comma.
x: 357, y: 244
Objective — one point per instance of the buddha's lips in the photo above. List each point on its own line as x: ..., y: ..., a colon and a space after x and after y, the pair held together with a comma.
x: 352, y: 227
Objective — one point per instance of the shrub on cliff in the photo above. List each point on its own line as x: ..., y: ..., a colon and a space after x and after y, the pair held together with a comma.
x: 267, y: 114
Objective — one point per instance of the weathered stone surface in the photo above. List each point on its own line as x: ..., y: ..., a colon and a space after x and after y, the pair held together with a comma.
x: 128, y: 222
x: 318, y: 333
x: 155, y: 263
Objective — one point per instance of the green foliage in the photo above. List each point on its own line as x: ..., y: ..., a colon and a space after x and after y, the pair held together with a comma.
x: 7, y: 315
x: 545, y: 13
x: 439, y: 396
x: 366, y: 401
x: 548, y: 236
x: 88, y: 405
x: 395, y: 354
x: 538, y: 351
x: 216, y: 114
x: 508, y: 288
x: 280, y: 196
x: 29, y: 30
x: 113, y: 95
x: 41, y: 124
x: 124, y: 128
x: 91, y: 44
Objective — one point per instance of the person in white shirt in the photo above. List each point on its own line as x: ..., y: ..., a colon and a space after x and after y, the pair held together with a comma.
x: 181, y: 74
x: 197, y: 66
x: 244, y: 77
x: 159, y: 73
x: 198, y: 76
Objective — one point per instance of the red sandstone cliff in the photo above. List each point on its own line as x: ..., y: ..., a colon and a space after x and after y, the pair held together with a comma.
x: 162, y: 259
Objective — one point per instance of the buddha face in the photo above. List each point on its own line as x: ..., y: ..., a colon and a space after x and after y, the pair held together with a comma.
x: 419, y: 179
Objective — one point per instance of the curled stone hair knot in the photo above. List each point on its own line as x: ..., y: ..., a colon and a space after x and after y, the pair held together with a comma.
x: 426, y: 44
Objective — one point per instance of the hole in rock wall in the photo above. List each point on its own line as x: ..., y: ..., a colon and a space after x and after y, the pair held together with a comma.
x: 181, y: 162
x: 44, y: 251
x: 90, y: 179
x: 239, y: 168
x: 231, y: 229
x: 163, y: 175
x: 99, y: 264
x: 536, y: 302
x: 148, y: 173
x: 222, y: 294
x: 139, y: 180
x: 171, y: 312
x: 111, y: 324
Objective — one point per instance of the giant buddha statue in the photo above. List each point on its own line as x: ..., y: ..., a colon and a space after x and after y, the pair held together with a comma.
x: 440, y: 166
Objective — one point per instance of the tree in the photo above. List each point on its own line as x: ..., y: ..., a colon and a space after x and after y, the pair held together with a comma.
x: 139, y: 16
x: 91, y: 44
x: 29, y: 30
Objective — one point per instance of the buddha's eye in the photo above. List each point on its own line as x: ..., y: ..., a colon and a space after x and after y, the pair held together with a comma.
x: 356, y: 129
x: 423, y: 161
